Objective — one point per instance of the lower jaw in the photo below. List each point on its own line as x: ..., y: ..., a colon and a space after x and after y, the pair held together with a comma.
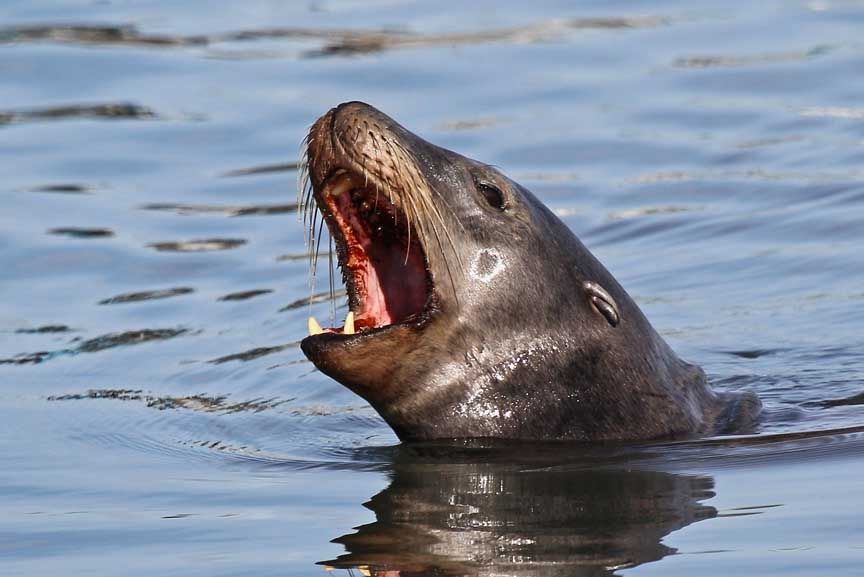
x: 362, y: 354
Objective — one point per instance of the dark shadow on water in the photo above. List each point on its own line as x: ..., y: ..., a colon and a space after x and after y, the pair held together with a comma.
x: 147, y: 296
x: 80, y: 232
x: 252, y: 354
x: 110, y: 111
x: 45, y: 329
x: 65, y: 188
x: 110, y: 341
x: 754, y: 353
x: 244, y: 295
x: 94, y: 34
x: 95, y: 345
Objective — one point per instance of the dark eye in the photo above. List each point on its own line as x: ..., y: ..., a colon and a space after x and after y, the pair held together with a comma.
x: 493, y: 196
x: 603, y: 302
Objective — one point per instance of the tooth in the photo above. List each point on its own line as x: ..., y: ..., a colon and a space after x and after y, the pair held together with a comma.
x: 343, y: 185
x: 349, y: 324
x: 314, y: 327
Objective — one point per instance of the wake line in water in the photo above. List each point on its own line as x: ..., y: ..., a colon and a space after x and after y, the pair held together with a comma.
x: 336, y: 41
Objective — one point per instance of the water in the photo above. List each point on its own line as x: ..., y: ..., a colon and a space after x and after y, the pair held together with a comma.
x: 156, y: 414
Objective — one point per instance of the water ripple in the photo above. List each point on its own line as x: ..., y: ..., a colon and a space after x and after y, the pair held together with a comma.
x: 97, y: 344
x: 147, y: 295
x: 202, y: 245
x: 204, y: 209
x: 81, y: 232
x: 335, y: 41
x: 110, y: 111
x: 245, y: 295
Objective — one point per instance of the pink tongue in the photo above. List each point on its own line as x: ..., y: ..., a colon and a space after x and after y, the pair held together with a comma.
x: 391, y: 281
x: 375, y: 311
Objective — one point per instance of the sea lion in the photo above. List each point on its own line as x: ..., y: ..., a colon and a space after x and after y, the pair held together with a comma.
x: 474, y: 311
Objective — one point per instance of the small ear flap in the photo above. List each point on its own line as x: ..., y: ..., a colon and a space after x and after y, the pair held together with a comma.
x: 603, y: 302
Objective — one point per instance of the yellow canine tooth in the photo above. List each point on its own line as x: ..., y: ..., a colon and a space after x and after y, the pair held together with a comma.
x: 314, y: 327
x: 349, y: 324
x: 343, y: 185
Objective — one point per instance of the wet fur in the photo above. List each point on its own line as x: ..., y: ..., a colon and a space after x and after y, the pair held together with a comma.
x: 523, y: 354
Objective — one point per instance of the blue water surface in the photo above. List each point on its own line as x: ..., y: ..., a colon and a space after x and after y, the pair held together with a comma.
x: 156, y: 414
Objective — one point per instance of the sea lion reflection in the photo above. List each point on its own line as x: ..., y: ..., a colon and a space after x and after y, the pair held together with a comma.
x: 488, y: 519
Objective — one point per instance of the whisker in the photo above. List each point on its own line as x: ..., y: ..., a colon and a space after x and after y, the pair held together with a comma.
x: 422, y: 193
x: 380, y: 171
x: 332, y: 281
x: 407, y: 213
x: 430, y: 206
x: 389, y: 165
x: 318, y: 243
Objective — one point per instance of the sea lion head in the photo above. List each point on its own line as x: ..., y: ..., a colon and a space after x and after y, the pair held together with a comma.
x: 476, y: 312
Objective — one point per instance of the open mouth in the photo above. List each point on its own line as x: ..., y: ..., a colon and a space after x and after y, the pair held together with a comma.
x: 379, y: 252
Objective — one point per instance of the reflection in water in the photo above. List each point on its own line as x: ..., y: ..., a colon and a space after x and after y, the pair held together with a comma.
x: 498, y: 519
x: 313, y: 299
x: 94, y: 345
x: 337, y: 41
x: 203, y: 209
x: 121, y: 110
x: 253, y: 354
x: 263, y: 169
x: 147, y: 295
x: 727, y: 61
x: 857, y: 399
x: 68, y: 188
x: 245, y: 295
x: 80, y: 232
x: 44, y: 329
x: 203, y: 245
